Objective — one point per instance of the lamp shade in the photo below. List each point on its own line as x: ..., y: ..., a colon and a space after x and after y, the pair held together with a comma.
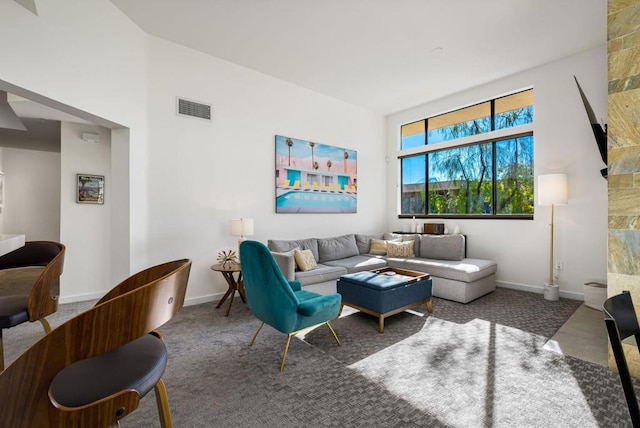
x: 241, y: 227
x: 553, y: 189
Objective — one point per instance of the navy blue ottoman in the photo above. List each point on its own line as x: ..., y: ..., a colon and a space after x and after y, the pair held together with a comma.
x: 385, y: 292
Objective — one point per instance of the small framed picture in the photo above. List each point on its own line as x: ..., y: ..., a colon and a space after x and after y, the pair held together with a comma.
x: 90, y: 189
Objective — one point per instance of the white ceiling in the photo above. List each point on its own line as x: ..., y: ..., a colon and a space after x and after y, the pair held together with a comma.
x: 384, y: 55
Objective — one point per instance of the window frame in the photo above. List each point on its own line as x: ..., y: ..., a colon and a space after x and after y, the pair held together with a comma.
x: 493, y: 136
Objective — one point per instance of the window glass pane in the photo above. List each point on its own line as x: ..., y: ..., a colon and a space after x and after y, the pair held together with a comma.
x: 460, y: 123
x: 514, y: 176
x: 514, y: 110
x: 413, y: 185
x: 412, y: 135
x: 460, y: 180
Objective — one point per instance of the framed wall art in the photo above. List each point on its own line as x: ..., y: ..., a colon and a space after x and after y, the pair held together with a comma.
x: 90, y: 189
x: 315, y: 178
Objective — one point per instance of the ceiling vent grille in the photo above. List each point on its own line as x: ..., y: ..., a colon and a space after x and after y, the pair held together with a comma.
x: 195, y: 109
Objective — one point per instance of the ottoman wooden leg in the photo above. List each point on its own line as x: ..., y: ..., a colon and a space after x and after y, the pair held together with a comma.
x: 380, y: 324
x: 430, y: 305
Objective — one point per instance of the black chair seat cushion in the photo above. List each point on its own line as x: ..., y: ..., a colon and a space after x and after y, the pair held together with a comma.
x: 13, y: 310
x: 138, y: 365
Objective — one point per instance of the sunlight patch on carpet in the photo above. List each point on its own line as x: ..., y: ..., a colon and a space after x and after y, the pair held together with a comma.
x: 479, y: 374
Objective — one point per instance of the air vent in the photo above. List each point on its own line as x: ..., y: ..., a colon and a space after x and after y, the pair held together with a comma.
x: 195, y: 109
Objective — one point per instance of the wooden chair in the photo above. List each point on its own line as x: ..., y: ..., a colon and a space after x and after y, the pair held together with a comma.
x: 92, y: 370
x: 32, y: 272
x: 622, y: 322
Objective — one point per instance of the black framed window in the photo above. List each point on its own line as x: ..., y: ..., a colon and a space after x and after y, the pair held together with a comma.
x: 485, y: 179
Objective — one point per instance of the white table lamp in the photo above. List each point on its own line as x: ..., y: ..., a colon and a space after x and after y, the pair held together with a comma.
x: 241, y: 228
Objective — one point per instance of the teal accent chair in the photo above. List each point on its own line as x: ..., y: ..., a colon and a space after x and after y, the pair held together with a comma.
x: 282, y: 304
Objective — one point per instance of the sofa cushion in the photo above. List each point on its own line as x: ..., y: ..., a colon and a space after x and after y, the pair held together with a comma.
x: 400, y: 249
x: 364, y: 242
x: 337, y: 247
x: 320, y: 274
x: 442, y: 247
x: 286, y: 262
x: 305, y: 260
x: 282, y: 246
x: 465, y: 270
x: 358, y: 263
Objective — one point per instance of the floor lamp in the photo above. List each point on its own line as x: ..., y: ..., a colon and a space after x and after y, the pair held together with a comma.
x: 552, y: 190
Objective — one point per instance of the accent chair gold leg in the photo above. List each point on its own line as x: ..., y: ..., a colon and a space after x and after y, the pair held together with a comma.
x: 46, y: 325
x: 256, y: 334
x: 286, y: 349
x: 162, y: 400
x: 335, y: 336
x: 341, y: 308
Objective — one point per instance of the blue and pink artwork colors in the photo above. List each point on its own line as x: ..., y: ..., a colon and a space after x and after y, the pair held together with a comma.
x: 314, y: 178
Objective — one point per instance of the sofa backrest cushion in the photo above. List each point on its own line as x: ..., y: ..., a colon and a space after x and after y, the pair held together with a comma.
x: 364, y: 242
x: 443, y: 247
x: 338, y: 247
x: 282, y: 246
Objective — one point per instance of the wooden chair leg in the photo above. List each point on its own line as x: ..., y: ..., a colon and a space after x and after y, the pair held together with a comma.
x: 46, y: 325
x: 256, y: 334
x: 162, y: 400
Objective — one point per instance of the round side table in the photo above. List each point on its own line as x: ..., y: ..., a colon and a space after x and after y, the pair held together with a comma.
x: 234, y: 284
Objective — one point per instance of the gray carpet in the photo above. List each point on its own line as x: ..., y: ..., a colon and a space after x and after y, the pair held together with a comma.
x: 475, y: 365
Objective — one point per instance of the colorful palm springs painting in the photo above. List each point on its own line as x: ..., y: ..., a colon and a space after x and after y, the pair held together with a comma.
x: 315, y: 178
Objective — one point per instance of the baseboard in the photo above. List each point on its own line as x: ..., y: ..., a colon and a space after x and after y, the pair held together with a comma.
x: 96, y: 296
x: 203, y: 299
x: 81, y: 297
x: 539, y: 289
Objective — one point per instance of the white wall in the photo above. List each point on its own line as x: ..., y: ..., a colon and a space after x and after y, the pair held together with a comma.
x: 204, y: 173
x: 85, y: 229
x: 32, y: 193
x: 563, y: 142
x: 186, y: 178
x: 67, y: 55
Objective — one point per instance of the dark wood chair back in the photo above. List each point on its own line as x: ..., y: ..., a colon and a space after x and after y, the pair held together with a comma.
x: 132, y: 309
x: 42, y: 298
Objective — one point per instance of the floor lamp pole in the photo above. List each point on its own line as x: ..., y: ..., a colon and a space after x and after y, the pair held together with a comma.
x: 551, y: 250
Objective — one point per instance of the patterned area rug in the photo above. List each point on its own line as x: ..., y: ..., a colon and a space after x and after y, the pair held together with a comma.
x: 475, y: 365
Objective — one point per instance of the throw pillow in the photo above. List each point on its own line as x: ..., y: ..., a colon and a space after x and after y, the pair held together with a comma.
x: 305, y: 260
x: 400, y: 249
x: 378, y: 247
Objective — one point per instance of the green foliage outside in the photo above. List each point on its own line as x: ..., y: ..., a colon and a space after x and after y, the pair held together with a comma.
x: 460, y: 178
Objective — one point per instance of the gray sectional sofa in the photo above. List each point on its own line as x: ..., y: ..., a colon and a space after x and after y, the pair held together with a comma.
x: 455, y: 277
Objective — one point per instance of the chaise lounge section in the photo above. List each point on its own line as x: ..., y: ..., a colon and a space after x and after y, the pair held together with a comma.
x: 455, y: 277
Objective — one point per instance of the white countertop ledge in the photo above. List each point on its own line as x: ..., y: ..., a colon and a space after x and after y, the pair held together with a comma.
x: 9, y: 243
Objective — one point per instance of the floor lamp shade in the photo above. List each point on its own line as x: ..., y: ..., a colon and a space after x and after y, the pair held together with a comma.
x: 553, y: 189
